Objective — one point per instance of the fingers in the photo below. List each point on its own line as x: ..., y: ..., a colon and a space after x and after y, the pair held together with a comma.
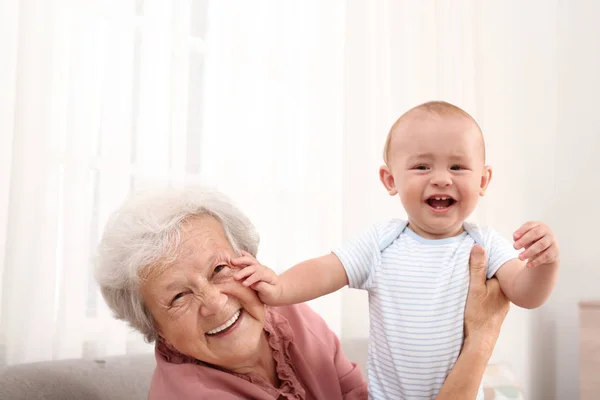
x: 477, y: 267
x: 252, y: 279
x: 524, y: 229
x: 244, y: 272
x: 255, y: 273
x: 531, y: 236
x: 262, y: 287
x: 268, y: 294
x: 536, y: 248
x: 477, y: 262
x: 246, y: 254
x: 547, y: 256
x: 244, y: 260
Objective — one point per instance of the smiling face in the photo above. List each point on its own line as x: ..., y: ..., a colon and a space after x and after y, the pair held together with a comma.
x: 197, y: 306
x: 436, y: 165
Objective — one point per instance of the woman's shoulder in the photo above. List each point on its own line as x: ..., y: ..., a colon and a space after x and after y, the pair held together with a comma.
x: 304, y: 323
x: 313, y: 345
x: 299, y: 313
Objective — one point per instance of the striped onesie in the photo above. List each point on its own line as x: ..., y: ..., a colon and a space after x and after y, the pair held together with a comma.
x: 417, y: 294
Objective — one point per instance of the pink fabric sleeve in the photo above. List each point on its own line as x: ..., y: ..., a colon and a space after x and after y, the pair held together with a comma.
x: 353, y: 385
x: 352, y: 382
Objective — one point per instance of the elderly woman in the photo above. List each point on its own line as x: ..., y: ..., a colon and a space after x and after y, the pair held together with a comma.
x: 165, y: 266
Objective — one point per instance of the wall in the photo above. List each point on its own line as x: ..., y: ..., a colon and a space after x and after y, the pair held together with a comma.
x: 574, y: 213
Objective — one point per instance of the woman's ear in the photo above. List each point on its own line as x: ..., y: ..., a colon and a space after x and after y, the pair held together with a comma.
x: 486, y: 177
x: 386, y: 177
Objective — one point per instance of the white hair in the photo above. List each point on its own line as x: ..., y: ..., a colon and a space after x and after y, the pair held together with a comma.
x: 145, y: 232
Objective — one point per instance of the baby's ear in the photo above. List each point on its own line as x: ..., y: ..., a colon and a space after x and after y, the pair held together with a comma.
x: 486, y: 177
x: 386, y: 177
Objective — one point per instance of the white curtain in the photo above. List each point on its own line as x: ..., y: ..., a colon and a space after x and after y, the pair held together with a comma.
x: 96, y: 97
x: 273, y: 129
x: 99, y: 96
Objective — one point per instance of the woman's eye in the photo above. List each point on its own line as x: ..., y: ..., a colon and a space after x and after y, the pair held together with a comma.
x: 177, y: 297
x: 220, y: 268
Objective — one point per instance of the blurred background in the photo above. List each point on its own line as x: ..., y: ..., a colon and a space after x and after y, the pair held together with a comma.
x: 285, y: 105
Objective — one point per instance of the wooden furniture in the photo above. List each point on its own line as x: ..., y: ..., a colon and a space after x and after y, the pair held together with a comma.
x: 589, y: 347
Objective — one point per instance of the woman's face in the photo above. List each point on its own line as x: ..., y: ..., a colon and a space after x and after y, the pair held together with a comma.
x: 198, y: 308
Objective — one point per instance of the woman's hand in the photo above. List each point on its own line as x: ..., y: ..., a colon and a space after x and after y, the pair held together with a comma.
x: 484, y: 313
x: 486, y: 305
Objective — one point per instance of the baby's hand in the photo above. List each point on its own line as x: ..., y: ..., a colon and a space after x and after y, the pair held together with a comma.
x: 258, y: 277
x: 541, y: 247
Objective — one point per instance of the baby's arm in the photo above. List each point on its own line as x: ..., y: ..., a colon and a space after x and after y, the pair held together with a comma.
x: 313, y: 278
x: 303, y: 282
x: 352, y: 263
x: 529, y: 285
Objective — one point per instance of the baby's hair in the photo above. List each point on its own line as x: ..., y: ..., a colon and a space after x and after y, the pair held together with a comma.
x: 440, y: 108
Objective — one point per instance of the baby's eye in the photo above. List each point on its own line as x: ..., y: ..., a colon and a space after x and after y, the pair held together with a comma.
x: 456, y: 168
x: 421, y: 167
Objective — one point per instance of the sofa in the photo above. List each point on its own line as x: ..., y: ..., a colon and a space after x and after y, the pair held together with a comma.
x: 111, y: 378
x: 128, y: 378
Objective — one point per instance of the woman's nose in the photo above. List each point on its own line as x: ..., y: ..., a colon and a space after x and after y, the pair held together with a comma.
x: 212, y: 302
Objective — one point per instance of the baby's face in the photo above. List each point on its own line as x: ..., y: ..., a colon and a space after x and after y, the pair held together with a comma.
x: 436, y: 165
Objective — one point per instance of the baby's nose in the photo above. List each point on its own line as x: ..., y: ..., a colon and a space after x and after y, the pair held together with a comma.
x: 441, y: 179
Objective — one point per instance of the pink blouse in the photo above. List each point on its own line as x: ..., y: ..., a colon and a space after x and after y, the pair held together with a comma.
x: 310, y: 366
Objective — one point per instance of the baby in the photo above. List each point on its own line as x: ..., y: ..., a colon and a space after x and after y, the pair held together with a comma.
x: 416, y: 271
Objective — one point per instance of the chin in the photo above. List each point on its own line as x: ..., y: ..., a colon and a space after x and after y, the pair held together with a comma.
x: 239, y: 352
x: 444, y: 230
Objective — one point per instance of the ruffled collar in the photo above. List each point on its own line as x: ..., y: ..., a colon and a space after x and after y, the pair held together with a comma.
x: 280, y: 337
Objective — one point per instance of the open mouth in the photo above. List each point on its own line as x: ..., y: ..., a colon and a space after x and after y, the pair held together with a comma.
x: 230, y: 323
x: 440, y: 202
